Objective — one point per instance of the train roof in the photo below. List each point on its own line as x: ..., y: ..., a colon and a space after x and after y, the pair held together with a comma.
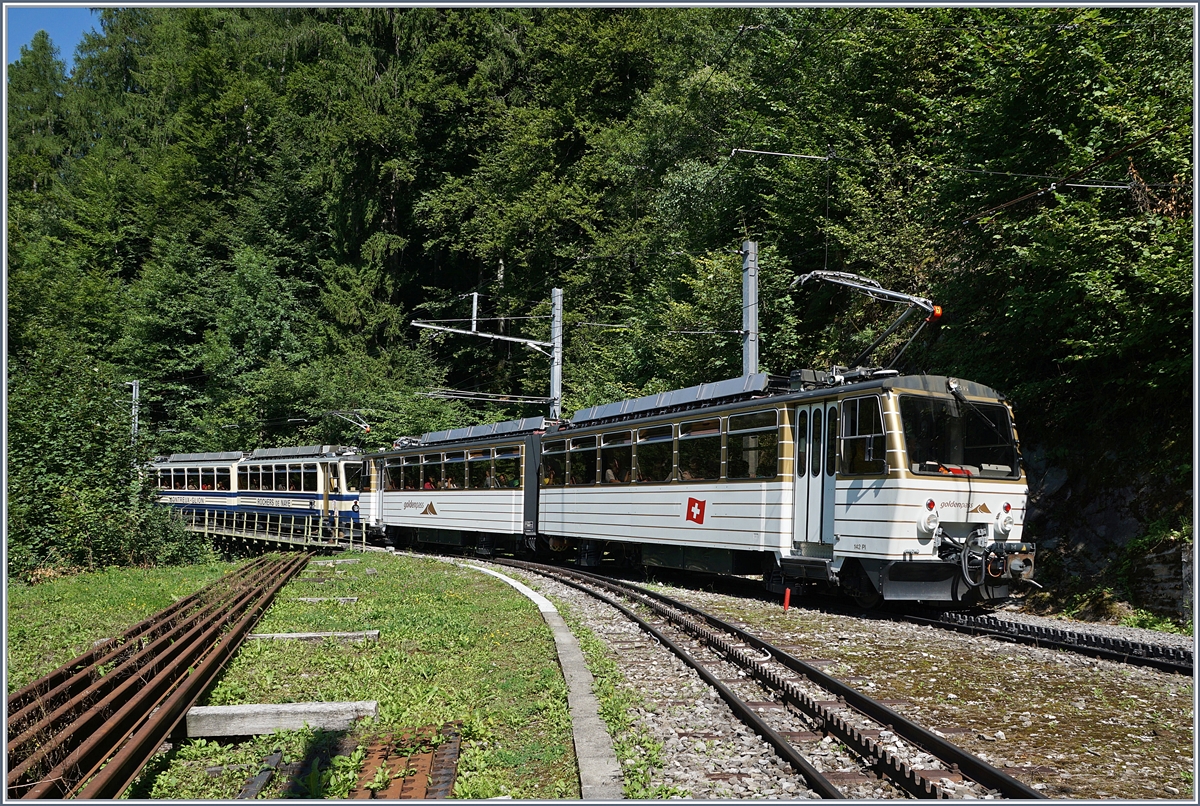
x: 305, y: 451
x: 506, y: 428
x: 198, y: 458
x: 705, y: 393
x: 225, y: 457
x: 719, y: 395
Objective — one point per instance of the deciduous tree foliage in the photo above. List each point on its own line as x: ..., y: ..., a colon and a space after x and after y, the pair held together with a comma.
x: 244, y: 208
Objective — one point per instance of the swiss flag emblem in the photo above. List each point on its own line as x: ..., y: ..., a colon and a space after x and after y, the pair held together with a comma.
x: 695, y: 510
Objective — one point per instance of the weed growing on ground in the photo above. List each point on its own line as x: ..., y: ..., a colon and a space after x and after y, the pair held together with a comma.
x: 1149, y: 621
x: 454, y: 645
x: 638, y: 753
x: 52, y: 622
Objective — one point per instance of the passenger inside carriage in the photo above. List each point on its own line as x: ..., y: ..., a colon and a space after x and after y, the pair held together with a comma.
x: 614, y: 474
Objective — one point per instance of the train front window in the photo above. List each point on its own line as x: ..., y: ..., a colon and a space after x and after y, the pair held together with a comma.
x: 353, y: 474
x: 948, y: 437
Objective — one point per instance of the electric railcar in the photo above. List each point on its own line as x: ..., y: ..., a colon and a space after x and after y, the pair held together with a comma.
x: 888, y: 487
x: 270, y: 489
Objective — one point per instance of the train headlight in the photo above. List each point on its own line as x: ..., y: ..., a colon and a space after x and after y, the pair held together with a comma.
x: 1004, y: 519
x: 929, y: 522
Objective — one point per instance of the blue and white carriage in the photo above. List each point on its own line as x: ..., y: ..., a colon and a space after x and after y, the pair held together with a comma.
x: 306, y: 490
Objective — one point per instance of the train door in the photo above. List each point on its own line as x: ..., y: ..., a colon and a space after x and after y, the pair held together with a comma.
x: 816, y: 434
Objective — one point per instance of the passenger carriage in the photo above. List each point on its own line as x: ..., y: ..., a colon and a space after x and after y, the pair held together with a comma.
x: 303, y: 489
x: 465, y: 486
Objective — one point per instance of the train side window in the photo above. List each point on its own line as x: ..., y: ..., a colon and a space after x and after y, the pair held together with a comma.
x: 393, y: 475
x: 814, y: 464
x: 431, y: 471
x: 802, y: 443
x: 243, y: 478
x: 700, y: 450
x: 253, y: 478
x: 655, y: 455
x: 295, y: 478
x: 831, y: 443
x: 208, y: 479
x: 479, y: 474
x: 616, y: 457
x: 193, y: 478
x: 412, y: 472
x: 554, y: 463
x: 583, y: 461
x: 753, y: 446
x: 222, y: 478
x: 508, y: 466
x: 454, y: 471
x: 352, y: 472
x: 310, y: 478
x: 864, y: 449
x: 366, y: 471
x: 164, y: 479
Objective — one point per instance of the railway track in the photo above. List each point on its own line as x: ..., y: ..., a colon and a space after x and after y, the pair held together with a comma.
x: 805, y: 707
x: 1164, y: 658
x: 86, y: 729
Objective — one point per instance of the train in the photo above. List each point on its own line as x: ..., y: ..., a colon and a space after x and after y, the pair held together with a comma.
x: 310, y: 490
x: 885, y: 487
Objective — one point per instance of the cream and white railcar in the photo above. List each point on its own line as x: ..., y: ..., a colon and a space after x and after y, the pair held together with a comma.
x: 901, y: 488
x: 464, y: 486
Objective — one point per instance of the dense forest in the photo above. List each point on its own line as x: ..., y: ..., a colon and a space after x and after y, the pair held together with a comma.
x: 244, y: 209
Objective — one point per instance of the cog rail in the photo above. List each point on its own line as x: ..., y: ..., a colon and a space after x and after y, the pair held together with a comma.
x: 1163, y: 658
x: 834, y: 718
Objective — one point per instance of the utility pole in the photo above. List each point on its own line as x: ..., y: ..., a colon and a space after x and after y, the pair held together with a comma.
x: 749, y: 307
x: 555, y: 399
x: 556, y: 328
x: 474, y: 308
x: 136, y: 387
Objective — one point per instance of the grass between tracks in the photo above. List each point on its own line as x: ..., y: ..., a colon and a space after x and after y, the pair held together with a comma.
x: 53, y: 622
x: 454, y: 645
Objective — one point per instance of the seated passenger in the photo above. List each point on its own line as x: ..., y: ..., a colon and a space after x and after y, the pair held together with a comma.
x: 614, y: 474
x: 429, y: 485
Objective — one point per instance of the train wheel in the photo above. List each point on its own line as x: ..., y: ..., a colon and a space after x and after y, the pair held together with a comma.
x: 868, y: 601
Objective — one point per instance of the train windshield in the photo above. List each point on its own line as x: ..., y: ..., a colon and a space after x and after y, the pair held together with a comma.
x: 949, y: 437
